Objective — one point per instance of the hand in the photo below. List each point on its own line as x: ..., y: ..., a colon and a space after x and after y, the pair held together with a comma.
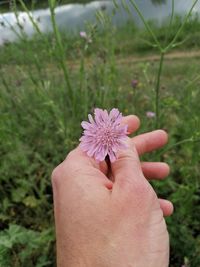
x: 102, y: 222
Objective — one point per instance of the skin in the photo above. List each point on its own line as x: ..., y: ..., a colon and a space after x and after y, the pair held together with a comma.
x: 112, y: 217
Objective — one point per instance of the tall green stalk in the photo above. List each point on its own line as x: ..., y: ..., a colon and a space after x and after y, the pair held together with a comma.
x: 70, y: 101
x: 184, y: 141
x: 35, y: 25
x: 83, y: 87
x: 148, y: 28
x: 170, y: 21
x: 61, y: 52
x: 172, y: 43
x: 162, y: 50
x: 157, y: 101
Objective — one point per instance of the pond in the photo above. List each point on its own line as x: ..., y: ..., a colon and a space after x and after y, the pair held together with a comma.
x: 73, y: 17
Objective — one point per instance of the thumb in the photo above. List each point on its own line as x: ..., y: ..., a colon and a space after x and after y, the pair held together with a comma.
x: 126, y: 170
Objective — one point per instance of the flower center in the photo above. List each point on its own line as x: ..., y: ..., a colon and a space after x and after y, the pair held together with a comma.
x: 106, y: 136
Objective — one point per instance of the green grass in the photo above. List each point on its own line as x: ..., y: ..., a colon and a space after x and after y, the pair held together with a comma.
x: 40, y: 124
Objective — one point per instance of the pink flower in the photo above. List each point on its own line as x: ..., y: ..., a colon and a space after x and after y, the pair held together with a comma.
x: 150, y: 114
x: 83, y: 35
x: 104, y: 135
x: 134, y: 83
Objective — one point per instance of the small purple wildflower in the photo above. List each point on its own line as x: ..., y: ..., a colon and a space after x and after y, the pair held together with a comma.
x: 134, y: 83
x: 150, y: 114
x: 104, y: 135
x: 83, y: 35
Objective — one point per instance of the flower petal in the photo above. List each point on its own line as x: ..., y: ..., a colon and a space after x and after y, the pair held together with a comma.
x: 112, y: 156
x: 85, y: 125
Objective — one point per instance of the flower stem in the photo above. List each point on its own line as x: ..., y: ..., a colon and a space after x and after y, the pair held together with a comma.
x: 172, y: 16
x: 157, y: 90
x: 35, y: 25
x: 192, y: 82
x: 60, y: 49
x: 70, y: 105
x: 148, y: 28
x: 170, y: 22
x: 171, y: 44
x: 188, y: 140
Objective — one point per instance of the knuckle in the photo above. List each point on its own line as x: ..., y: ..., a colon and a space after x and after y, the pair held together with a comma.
x: 142, y: 187
x: 139, y: 190
x: 142, y: 190
x: 56, y: 175
x: 64, y: 169
x: 145, y: 197
x: 72, y: 164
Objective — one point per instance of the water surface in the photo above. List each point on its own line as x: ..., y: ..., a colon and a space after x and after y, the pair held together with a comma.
x: 73, y: 17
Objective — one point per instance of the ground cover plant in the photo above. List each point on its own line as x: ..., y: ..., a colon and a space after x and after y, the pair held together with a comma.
x: 49, y: 84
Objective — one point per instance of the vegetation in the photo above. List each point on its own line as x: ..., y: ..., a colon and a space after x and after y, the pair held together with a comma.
x: 35, y: 4
x: 6, y: 5
x: 49, y: 84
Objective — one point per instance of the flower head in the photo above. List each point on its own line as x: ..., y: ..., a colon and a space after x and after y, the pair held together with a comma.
x: 104, y: 135
x: 134, y: 83
x: 150, y: 114
x: 83, y: 35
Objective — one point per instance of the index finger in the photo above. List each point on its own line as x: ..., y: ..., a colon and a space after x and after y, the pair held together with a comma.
x: 148, y: 142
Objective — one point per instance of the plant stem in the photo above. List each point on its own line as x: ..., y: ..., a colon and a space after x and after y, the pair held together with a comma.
x: 192, y: 82
x: 83, y: 87
x: 170, y: 22
x: 157, y: 89
x: 60, y: 50
x: 35, y: 25
x: 188, y: 140
x: 70, y: 104
x: 148, y: 28
x: 172, y: 15
x: 181, y: 27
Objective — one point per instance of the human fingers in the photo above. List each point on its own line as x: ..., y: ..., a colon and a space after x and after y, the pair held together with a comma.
x: 128, y: 158
x: 148, y: 142
x: 155, y: 170
x: 126, y: 170
x: 166, y: 206
x: 78, y: 166
x: 132, y: 121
